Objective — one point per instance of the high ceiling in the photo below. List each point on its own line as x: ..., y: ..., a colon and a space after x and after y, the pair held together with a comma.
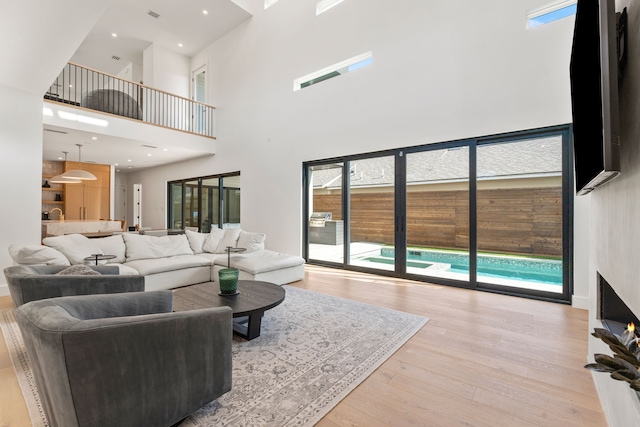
x: 136, y: 29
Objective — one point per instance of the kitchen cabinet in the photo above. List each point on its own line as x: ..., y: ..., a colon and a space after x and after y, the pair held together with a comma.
x: 89, y: 199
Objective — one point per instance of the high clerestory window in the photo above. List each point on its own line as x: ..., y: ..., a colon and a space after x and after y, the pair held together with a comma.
x: 334, y: 70
x: 551, y: 12
x: 324, y: 5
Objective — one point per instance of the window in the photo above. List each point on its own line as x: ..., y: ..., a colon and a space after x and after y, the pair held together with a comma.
x: 202, y: 202
x: 334, y: 70
x: 491, y: 213
x: 324, y: 5
x: 551, y: 12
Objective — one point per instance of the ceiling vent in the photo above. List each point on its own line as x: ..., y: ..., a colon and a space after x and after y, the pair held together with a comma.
x: 115, y: 57
x: 148, y: 146
x: 55, y: 131
x: 153, y: 14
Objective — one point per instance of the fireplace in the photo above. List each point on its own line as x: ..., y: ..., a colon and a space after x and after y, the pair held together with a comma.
x: 613, y: 312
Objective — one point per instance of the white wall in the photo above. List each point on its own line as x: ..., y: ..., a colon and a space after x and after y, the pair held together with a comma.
x: 30, y: 64
x: 441, y: 70
x: 166, y: 70
x: 615, y: 228
x: 20, y: 170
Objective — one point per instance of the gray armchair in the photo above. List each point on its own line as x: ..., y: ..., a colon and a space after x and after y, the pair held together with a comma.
x: 36, y: 282
x: 125, y: 359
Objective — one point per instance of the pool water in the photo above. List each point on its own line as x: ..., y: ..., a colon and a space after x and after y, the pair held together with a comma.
x: 546, y: 271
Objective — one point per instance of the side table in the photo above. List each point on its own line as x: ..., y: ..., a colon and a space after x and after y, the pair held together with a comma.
x: 99, y: 257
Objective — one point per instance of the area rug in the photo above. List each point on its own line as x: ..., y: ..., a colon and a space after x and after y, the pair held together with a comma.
x: 313, y: 350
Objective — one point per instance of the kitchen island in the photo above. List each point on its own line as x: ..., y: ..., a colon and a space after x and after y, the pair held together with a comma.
x: 89, y: 227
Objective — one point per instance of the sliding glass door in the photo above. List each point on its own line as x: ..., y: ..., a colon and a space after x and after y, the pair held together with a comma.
x: 372, y: 212
x: 519, y: 208
x: 492, y: 213
x: 437, y: 213
x: 204, y: 203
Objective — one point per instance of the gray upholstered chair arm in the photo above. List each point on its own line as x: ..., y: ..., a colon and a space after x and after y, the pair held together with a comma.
x: 26, y: 285
x: 122, y: 305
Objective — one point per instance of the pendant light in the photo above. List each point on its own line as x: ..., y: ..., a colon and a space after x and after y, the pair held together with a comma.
x: 59, y: 179
x: 79, y: 173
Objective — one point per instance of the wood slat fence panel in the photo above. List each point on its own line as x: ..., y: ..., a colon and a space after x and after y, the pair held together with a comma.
x: 521, y: 221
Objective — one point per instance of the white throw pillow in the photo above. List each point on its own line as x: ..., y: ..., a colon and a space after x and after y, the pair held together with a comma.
x: 196, y: 240
x: 211, y: 243
x: 149, y: 247
x: 112, y: 245
x: 230, y: 239
x: 252, y: 242
x: 36, y: 254
x: 75, y: 247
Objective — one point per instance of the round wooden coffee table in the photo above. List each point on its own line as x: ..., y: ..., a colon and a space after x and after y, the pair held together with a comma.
x: 248, y: 306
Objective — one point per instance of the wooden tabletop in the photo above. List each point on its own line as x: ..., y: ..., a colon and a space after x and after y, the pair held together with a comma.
x: 254, y: 296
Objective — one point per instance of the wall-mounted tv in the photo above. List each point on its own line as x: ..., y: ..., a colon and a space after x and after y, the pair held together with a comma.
x: 594, y: 94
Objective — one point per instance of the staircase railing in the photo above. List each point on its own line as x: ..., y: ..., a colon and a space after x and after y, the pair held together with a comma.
x: 84, y: 87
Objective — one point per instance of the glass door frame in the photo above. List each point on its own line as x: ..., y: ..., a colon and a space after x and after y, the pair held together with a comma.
x: 221, y: 197
x: 400, y: 237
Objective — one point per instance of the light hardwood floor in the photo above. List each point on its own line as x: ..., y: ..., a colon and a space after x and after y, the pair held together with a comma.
x: 482, y: 360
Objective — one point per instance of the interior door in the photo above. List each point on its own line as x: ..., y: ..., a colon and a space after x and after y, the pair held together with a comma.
x: 199, y: 94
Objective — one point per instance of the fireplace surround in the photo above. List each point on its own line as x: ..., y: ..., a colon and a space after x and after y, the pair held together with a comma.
x: 613, y: 312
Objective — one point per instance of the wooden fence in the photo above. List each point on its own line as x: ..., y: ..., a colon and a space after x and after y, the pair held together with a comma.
x: 519, y: 221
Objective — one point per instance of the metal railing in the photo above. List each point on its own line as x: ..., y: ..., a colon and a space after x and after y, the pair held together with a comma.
x: 87, y: 88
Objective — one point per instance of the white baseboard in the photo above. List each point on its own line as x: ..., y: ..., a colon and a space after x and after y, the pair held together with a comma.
x: 4, y: 290
x: 580, y: 302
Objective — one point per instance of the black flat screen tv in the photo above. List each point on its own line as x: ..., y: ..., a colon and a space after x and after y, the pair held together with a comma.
x: 594, y: 94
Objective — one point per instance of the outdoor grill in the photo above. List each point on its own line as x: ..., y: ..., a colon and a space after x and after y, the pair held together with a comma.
x: 318, y: 219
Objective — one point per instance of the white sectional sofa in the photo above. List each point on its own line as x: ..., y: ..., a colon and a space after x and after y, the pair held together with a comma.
x: 170, y: 261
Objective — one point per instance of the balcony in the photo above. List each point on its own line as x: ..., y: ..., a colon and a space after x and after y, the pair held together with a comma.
x: 85, y: 88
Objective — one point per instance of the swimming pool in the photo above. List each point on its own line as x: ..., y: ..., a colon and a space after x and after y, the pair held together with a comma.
x: 534, y: 270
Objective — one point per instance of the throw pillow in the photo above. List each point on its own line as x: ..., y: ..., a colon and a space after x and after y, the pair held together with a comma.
x: 150, y: 247
x: 79, y: 270
x: 211, y: 243
x: 196, y: 240
x: 36, y: 254
x: 112, y: 245
x: 252, y: 242
x: 75, y: 247
x: 230, y: 239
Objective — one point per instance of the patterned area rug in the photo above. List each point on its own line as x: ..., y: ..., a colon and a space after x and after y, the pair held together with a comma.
x: 312, y: 351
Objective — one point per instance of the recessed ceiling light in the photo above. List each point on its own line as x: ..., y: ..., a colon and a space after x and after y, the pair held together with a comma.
x: 70, y: 85
x: 94, y: 137
x: 114, y: 35
x: 115, y: 164
x: 179, y: 44
x: 149, y: 155
x: 60, y: 158
x: 166, y: 149
x: 205, y: 12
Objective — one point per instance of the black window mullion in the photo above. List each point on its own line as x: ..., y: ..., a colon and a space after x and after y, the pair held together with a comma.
x: 473, y: 215
x: 346, y: 212
x: 400, y: 211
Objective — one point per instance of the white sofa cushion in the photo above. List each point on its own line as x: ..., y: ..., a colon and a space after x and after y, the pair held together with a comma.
x: 37, y: 254
x: 112, y: 245
x: 230, y: 239
x: 252, y: 242
x: 148, y: 247
x: 262, y: 261
x: 75, y: 247
x: 161, y: 265
x: 196, y: 240
x: 211, y: 243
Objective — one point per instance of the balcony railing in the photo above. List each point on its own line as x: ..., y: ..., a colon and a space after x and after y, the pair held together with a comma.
x: 87, y: 88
